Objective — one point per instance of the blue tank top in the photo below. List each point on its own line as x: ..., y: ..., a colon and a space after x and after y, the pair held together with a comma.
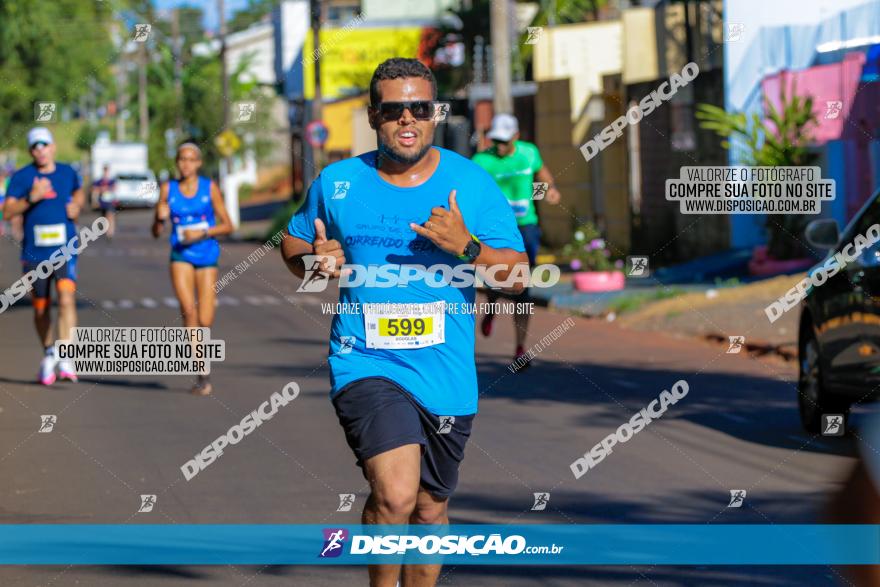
x: 196, y: 212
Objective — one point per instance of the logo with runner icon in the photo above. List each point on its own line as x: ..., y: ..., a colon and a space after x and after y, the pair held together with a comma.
x: 832, y: 425
x: 334, y: 538
x: 314, y: 279
x: 533, y: 34
x: 340, y: 189
x: 142, y: 32
x: 47, y: 423
x: 542, y: 498
x: 638, y: 266
x: 737, y: 497
x: 736, y: 344
x: 346, y: 344
x: 446, y: 423
x: 247, y: 111
x: 346, y: 500
x: 833, y: 108
x: 45, y: 112
x: 539, y: 189
x: 441, y: 111
x: 147, y: 503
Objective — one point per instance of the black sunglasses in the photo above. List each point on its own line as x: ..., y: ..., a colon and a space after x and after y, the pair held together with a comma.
x: 39, y: 145
x: 420, y: 109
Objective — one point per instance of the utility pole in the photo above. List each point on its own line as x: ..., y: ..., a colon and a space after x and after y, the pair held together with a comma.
x: 177, y: 51
x: 221, y: 8
x: 317, y: 101
x: 500, y: 31
x: 121, y: 95
x: 311, y: 168
x: 230, y: 189
x: 144, y: 118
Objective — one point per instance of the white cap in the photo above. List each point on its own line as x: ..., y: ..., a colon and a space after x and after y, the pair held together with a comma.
x: 39, y: 134
x: 504, y: 127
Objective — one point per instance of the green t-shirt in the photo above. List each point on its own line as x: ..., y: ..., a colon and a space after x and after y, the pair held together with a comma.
x: 514, y: 174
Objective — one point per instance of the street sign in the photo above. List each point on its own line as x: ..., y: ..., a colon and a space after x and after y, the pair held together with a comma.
x: 317, y: 133
x: 227, y: 143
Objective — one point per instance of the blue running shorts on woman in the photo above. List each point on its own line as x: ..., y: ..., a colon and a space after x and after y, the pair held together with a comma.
x: 195, y: 213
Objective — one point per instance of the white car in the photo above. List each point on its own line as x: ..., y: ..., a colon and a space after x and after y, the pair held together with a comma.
x: 134, y: 190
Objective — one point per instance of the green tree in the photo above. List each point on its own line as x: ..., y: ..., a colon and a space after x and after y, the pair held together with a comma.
x: 201, y: 107
x: 250, y: 14
x: 782, y: 139
x: 48, y: 52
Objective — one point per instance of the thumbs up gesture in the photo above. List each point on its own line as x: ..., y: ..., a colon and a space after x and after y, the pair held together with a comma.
x: 327, y: 248
x: 445, y: 228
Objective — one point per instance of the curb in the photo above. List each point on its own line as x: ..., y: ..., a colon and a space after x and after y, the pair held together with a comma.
x: 786, y: 351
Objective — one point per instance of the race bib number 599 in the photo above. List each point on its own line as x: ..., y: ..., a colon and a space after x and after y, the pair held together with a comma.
x: 403, y: 326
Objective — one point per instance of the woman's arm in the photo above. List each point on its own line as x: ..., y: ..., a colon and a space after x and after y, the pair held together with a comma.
x: 224, y: 224
x: 162, y: 212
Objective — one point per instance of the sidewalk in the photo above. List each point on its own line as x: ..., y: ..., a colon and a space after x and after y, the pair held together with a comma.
x: 729, y: 311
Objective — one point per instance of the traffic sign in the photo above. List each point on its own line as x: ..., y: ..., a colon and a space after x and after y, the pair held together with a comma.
x: 227, y: 143
x: 317, y: 133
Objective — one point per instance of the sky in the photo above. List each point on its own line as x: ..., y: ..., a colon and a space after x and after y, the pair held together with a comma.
x: 209, y: 6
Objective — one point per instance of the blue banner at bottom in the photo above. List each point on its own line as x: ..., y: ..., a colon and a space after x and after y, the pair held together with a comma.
x: 586, y: 544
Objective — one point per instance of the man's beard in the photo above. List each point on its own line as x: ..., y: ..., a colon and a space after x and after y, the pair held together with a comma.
x: 388, y: 151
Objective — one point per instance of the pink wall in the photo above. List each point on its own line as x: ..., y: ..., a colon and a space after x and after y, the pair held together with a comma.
x: 855, y: 126
x: 825, y: 83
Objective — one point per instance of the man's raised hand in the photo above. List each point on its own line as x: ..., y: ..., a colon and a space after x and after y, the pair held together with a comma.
x: 445, y: 228
x: 327, y: 248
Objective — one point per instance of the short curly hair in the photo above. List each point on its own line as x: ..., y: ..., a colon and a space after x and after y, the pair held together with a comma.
x: 396, y: 68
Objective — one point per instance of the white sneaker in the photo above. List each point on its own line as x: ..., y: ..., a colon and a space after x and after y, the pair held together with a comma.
x: 47, y: 368
x: 65, y: 370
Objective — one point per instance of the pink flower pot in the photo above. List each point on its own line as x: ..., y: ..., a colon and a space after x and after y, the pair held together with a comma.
x: 599, y: 280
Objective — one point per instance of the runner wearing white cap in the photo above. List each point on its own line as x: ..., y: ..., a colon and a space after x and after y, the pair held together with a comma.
x: 49, y: 196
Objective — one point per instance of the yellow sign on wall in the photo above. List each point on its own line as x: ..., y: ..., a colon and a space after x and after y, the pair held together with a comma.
x: 349, y: 56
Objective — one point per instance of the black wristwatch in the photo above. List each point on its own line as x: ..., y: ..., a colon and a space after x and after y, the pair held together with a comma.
x: 471, y: 250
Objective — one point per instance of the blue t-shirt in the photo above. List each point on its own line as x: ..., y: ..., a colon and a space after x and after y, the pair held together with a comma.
x: 371, y: 217
x: 46, y: 226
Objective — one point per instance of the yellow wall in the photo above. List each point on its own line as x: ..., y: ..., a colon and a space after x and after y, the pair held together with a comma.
x: 349, y: 56
x: 338, y: 118
x: 581, y: 52
x: 655, y: 43
x: 639, y: 46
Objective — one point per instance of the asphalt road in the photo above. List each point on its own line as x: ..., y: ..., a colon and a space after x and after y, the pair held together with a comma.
x: 119, y: 437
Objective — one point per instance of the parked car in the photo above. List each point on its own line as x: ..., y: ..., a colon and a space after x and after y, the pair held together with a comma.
x: 839, y: 332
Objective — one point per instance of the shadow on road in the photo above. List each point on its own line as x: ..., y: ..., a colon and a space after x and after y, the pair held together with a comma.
x: 755, y: 409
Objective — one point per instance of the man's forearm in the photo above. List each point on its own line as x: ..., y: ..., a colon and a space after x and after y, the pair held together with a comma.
x: 292, y: 251
x: 296, y: 265
x: 14, y: 206
x: 503, y: 262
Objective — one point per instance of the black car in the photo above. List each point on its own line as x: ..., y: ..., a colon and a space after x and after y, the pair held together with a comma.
x: 839, y: 332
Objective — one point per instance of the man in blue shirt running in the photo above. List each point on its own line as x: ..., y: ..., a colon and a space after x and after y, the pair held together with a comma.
x: 49, y: 196
x: 406, y: 219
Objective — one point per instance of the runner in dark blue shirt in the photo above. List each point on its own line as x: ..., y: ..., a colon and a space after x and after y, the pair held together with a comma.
x: 49, y: 195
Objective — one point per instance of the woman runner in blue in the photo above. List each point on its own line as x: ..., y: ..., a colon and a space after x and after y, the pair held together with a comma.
x: 198, y: 215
